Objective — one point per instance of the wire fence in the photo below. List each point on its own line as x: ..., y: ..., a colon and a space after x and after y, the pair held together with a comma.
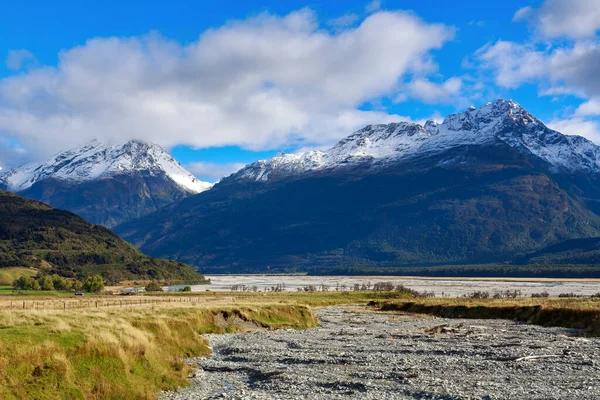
x: 82, y: 304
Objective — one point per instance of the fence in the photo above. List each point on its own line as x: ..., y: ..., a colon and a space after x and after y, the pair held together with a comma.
x: 93, y: 303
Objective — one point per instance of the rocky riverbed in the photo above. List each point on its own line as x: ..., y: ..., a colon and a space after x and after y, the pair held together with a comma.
x: 359, y: 354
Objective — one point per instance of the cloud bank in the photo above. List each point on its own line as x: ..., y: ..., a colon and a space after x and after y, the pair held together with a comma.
x: 261, y: 83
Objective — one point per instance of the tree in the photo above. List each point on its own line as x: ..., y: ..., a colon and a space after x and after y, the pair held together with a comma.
x: 46, y: 283
x: 94, y: 284
x: 153, y: 287
x: 184, y: 289
x: 23, y: 283
x: 59, y: 282
x: 77, y: 286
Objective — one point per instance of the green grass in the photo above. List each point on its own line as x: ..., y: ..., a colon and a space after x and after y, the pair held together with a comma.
x: 9, y: 291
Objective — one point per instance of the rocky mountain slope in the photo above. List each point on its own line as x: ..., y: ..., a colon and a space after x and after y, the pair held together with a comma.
x: 106, y: 184
x: 483, y: 186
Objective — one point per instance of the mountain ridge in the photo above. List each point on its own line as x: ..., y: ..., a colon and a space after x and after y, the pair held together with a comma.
x: 503, y: 120
x: 490, y: 184
x: 106, y: 184
x: 98, y: 160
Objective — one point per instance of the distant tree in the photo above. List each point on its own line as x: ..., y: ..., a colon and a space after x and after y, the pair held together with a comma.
x: 46, y: 283
x: 94, y: 284
x: 77, y: 286
x: 23, y: 283
x: 184, y: 289
x: 58, y: 282
x: 154, y: 287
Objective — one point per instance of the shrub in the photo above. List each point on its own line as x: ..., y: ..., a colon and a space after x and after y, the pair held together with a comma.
x: 94, y: 284
x: 542, y: 294
x: 154, y: 287
x: 184, y: 289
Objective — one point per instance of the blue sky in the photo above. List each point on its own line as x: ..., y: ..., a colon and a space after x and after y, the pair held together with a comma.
x: 221, y: 84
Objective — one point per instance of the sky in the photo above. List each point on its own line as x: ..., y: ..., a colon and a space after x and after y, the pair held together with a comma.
x: 222, y: 84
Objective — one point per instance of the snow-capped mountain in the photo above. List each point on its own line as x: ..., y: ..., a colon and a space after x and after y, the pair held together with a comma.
x: 106, y: 184
x: 502, y: 120
x: 484, y: 186
x: 98, y: 160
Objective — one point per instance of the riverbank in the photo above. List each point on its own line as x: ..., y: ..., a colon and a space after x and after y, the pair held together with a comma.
x: 120, y: 353
x: 366, y: 355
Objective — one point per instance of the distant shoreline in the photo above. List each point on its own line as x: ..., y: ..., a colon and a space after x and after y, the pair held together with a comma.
x: 426, y: 278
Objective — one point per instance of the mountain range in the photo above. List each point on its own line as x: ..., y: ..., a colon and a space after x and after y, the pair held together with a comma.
x: 485, y: 185
x: 106, y: 184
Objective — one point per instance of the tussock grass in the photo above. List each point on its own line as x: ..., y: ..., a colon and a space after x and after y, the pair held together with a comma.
x: 119, y: 353
x: 578, y: 313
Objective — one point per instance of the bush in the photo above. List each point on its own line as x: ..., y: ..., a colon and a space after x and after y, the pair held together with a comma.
x: 154, y: 287
x: 542, y: 294
x: 94, y: 284
x: 184, y: 289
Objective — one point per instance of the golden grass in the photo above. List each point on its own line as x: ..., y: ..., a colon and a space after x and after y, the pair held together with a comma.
x: 119, y: 353
x: 578, y: 313
x: 9, y: 275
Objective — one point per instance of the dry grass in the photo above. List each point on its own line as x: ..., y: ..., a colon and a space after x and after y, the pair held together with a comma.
x: 118, y: 353
x: 579, y: 313
x: 9, y: 275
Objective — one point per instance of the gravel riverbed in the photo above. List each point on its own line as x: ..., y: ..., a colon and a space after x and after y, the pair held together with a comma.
x: 359, y: 354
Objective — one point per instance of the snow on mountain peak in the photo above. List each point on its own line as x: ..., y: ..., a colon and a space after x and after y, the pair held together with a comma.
x: 503, y: 120
x: 97, y: 160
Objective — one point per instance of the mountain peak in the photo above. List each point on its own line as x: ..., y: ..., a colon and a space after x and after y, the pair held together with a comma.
x: 97, y: 160
x: 501, y: 120
x: 489, y: 117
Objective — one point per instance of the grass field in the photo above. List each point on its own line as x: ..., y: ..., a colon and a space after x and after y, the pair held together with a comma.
x: 119, y: 354
x: 133, y: 350
x: 8, y: 291
x: 9, y: 275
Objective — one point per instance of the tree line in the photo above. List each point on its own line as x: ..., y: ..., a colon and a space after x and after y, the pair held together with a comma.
x: 93, y: 284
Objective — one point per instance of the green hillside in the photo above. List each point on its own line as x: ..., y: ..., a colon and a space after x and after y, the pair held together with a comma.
x: 33, y: 234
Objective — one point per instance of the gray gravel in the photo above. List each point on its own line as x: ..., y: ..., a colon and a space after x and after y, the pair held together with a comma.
x: 357, y: 354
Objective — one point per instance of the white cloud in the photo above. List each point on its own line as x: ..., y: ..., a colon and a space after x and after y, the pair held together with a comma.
x: 374, y: 5
x: 589, y: 108
x: 16, y: 59
x: 260, y: 83
x: 578, y: 126
x: 434, y: 93
x: 565, y: 70
x: 569, y: 18
x: 213, y: 171
x: 512, y: 64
